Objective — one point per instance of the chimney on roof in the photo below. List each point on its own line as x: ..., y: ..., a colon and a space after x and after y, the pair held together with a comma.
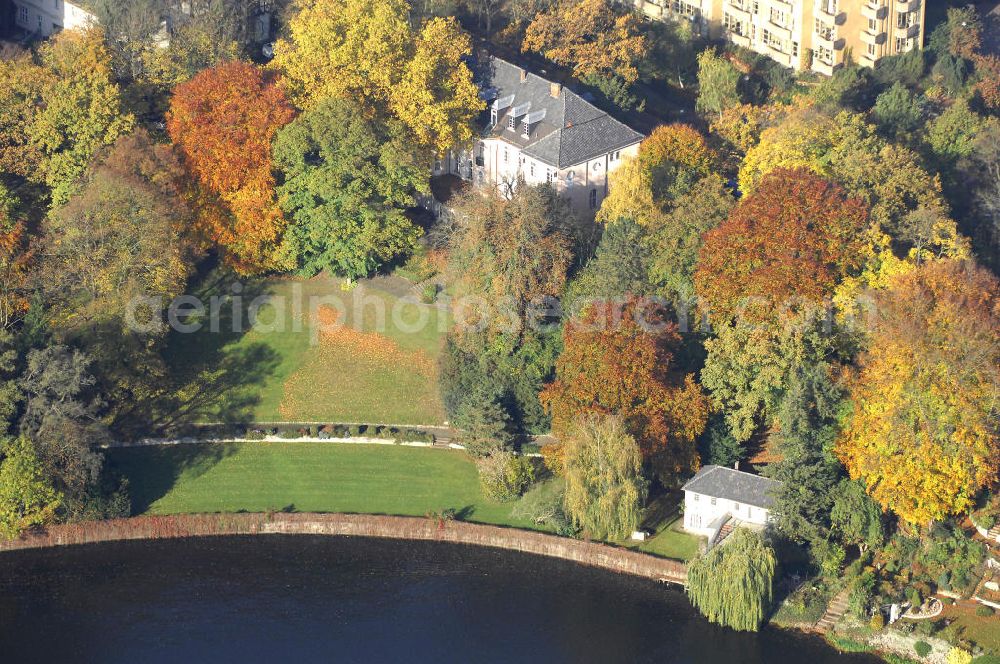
x: 524, y: 75
x: 555, y: 89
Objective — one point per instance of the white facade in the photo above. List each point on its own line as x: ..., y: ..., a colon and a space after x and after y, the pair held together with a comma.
x: 47, y: 17
x: 705, y: 515
x: 503, y: 164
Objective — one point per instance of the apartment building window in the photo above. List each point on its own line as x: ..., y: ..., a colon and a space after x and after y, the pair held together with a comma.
x: 902, y: 45
x: 756, y: 7
x: 778, y: 17
x: 828, y: 6
x: 824, y: 55
x: 824, y: 31
x: 773, y: 40
x: 905, y: 19
x: 872, y: 25
x: 871, y: 50
x: 795, y: 49
x: 732, y: 25
x: 684, y: 9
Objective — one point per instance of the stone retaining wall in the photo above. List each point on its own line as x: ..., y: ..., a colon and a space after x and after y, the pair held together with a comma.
x: 198, y: 525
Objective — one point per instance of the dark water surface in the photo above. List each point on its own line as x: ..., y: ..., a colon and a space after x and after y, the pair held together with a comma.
x: 322, y: 599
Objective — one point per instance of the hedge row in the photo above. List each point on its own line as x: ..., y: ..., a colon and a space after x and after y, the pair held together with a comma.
x: 343, y: 431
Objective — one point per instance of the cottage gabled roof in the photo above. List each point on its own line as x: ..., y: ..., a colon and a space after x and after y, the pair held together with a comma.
x: 731, y: 484
x: 571, y: 130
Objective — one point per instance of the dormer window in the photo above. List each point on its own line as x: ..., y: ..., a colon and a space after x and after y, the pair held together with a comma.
x: 526, y: 129
x: 512, y: 122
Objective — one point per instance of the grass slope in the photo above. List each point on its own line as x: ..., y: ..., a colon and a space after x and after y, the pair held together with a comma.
x: 375, y: 369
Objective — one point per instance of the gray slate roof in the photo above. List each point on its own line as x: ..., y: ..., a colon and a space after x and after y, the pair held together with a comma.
x: 730, y: 484
x: 572, y: 131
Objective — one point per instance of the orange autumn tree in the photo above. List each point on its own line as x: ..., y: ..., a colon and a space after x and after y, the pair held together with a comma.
x: 618, y: 359
x: 668, y: 164
x: 923, y: 433
x: 15, y: 258
x: 788, y: 242
x: 222, y: 121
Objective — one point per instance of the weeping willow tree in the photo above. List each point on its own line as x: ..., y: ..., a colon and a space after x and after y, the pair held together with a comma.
x: 605, y: 489
x: 733, y: 584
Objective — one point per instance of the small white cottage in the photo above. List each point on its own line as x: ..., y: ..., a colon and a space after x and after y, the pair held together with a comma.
x: 719, y: 497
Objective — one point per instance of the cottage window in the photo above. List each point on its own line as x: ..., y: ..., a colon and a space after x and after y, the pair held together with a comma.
x: 736, y: 506
x: 593, y: 199
x: 713, y: 501
x: 548, y: 176
x: 22, y: 15
x: 695, y: 496
x: 505, y: 155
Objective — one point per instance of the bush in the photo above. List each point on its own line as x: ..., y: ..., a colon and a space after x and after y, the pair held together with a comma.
x: 922, y: 648
x: 254, y: 434
x: 913, y: 595
x: 959, y: 656
x: 503, y: 475
x: 984, y: 611
x: 877, y: 623
x: 353, y: 431
x: 429, y: 293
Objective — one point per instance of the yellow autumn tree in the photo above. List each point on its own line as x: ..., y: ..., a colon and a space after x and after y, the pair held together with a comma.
x: 343, y: 48
x: 668, y: 164
x: 593, y: 37
x: 367, y: 52
x: 436, y: 96
x: 923, y: 433
x: 905, y: 200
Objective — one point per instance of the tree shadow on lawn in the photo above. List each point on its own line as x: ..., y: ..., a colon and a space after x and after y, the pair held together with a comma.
x: 207, y: 376
x: 153, y: 471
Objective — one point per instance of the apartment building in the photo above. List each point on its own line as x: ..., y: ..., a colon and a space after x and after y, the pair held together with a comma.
x: 803, y: 34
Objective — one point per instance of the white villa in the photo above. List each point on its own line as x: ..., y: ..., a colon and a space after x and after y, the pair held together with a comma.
x: 46, y: 17
x: 538, y: 132
x: 718, y: 499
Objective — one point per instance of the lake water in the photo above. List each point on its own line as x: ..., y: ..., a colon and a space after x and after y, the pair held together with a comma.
x: 323, y: 599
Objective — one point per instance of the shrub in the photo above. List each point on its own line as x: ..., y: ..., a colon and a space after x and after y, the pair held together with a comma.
x: 913, y: 595
x: 984, y: 611
x: 354, y: 431
x: 429, y: 293
x: 922, y: 648
x: 959, y: 656
x: 987, y: 659
x: 255, y: 434
x: 944, y: 580
x: 877, y: 623
x: 833, y: 560
x: 503, y: 475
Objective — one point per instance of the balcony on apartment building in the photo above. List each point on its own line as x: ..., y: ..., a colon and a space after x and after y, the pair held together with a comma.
x: 827, y: 38
x: 828, y: 13
x: 908, y: 7
x: 874, y: 10
x: 825, y: 68
x: 875, y: 37
x: 739, y: 10
x: 907, y: 32
x: 650, y: 8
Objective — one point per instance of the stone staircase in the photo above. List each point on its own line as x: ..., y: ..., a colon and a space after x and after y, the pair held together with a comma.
x: 834, y: 611
x: 724, y: 532
x: 994, y: 533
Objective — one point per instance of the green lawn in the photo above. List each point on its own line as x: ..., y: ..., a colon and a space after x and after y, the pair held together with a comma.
x: 672, y: 542
x: 306, y: 477
x: 379, y: 367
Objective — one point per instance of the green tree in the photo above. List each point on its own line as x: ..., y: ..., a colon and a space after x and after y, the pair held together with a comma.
x: 718, y: 83
x: 347, y: 183
x: 952, y: 134
x: 807, y: 416
x: 26, y: 496
x: 619, y: 266
x: 856, y: 519
x: 62, y: 417
x: 484, y: 421
x: 733, y: 585
x: 897, y: 111
x: 676, y: 237
x: 605, y: 489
